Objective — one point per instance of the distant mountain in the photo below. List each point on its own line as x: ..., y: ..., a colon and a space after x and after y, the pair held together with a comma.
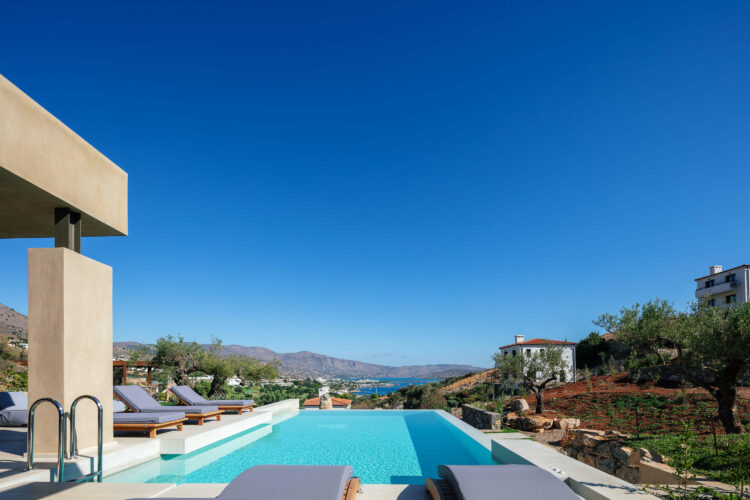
x: 302, y: 364
x: 310, y: 364
x: 13, y: 323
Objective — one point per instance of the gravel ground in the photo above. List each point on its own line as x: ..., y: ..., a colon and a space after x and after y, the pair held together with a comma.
x: 551, y: 437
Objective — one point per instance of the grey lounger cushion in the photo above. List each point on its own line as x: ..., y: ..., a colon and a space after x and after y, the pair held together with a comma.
x: 288, y: 482
x: 188, y: 395
x: 14, y: 407
x: 480, y: 482
x: 146, y: 418
x: 139, y: 400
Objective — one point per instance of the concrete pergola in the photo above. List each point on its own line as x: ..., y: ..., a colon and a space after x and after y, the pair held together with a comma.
x: 53, y: 184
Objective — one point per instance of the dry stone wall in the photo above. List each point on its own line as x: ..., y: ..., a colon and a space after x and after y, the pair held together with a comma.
x: 481, y: 419
x: 605, y: 451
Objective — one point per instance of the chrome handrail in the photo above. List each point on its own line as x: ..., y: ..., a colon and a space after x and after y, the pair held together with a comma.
x: 100, y: 442
x: 60, y: 436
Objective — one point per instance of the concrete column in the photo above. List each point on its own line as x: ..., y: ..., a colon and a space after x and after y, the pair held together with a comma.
x: 70, y: 342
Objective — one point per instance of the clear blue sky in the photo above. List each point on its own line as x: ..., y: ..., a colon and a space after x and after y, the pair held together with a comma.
x: 398, y: 182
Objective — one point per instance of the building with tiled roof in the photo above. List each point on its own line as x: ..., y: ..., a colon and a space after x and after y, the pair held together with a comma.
x: 522, y: 347
x: 338, y: 403
x: 724, y: 287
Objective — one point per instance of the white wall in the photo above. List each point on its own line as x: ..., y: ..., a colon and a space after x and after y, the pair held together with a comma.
x: 720, y: 290
x: 568, y: 356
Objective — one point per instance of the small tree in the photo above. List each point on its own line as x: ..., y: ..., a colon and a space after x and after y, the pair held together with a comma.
x: 642, y: 327
x: 211, y: 362
x: 251, y: 370
x: 176, y: 357
x: 9, y: 354
x: 535, y: 371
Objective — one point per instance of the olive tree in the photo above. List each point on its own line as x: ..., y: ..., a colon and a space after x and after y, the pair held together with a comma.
x: 535, y: 370
x: 252, y: 370
x: 642, y: 326
x: 176, y: 357
x: 712, y: 343
x: 715, y: 346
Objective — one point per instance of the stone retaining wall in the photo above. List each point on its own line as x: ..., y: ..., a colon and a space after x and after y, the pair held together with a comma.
x: 605, y: 451
x: 481, y: 419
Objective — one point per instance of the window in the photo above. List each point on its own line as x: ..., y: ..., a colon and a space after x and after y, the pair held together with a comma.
x: 731, y: 278
x: 528, y: 352
x: 709, y: 283
x: 730, y: 299
x: 514, y: 352
x: 712, y: 302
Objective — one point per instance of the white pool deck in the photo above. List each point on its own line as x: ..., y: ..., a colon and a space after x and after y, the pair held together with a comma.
x: 17, y: 483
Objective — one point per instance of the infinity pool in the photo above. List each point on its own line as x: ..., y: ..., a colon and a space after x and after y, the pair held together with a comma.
x: 387, y: 446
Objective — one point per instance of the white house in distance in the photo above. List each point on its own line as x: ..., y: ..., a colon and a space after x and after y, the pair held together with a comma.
x: 724, y: 287
x: 523, y: 347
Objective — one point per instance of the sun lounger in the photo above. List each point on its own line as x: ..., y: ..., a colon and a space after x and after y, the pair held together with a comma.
x: 291, y: 482
x: 139, y: 401
x: 14, y: 407
x: 189, y: 397
x: 147, y: 422
x: 500, y: 482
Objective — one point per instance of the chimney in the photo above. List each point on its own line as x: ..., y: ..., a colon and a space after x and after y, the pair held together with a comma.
x: 323, y: 390
x: 519, y: 339
x: 714, y: 269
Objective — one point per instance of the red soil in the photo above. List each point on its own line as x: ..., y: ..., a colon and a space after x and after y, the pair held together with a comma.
x: 612, y: 403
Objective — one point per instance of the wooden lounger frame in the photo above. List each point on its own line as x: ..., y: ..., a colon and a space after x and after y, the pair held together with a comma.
x: 238, y: 408
x: 352, y: 487
x: 440, y: 489
x: 150, y: 428
x: 200, y: 417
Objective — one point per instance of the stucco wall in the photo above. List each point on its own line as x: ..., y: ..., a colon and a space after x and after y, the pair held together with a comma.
x: 44, y: 164
x: 70, y: 341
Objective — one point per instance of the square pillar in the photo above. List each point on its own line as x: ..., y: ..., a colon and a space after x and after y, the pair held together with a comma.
x: 70, y: 343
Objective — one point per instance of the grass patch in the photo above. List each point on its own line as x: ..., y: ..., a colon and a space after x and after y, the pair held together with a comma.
x: 504, y: 430
x: 709, y: 463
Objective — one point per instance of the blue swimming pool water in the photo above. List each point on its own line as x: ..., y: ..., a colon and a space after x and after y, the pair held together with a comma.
x: 399, y: 447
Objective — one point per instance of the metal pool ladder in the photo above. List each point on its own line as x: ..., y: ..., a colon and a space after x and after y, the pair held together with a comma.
x: 100, y: 437
x: 62, y: 419
x: 60, y: 436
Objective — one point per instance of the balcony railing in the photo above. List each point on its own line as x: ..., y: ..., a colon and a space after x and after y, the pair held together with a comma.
x: 716, y: 289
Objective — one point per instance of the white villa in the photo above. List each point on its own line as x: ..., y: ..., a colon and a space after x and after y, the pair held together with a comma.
x: 523, y: 347
x: 722, y: 287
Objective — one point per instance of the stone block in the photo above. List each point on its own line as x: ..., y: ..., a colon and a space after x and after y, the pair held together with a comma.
x: 533, y: 422
x: 629, y: 474
x: 627, y: 456
x: 608, y: 465
x: 593, y: 440
x: 519, y: 405
x: 605, y: 449
x: 566, y: 423
x: 587, y: 459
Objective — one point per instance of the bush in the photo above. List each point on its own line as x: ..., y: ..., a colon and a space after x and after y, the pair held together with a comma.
x: 14, y: 380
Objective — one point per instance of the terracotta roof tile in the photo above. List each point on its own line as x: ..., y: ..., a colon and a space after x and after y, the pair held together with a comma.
x: 335, y: 401
x: 539, y: 342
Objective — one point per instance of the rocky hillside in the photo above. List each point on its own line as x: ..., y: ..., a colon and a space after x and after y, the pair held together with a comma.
x: 469, y: 382
x: 13, y: 323
x: 310, y: 364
